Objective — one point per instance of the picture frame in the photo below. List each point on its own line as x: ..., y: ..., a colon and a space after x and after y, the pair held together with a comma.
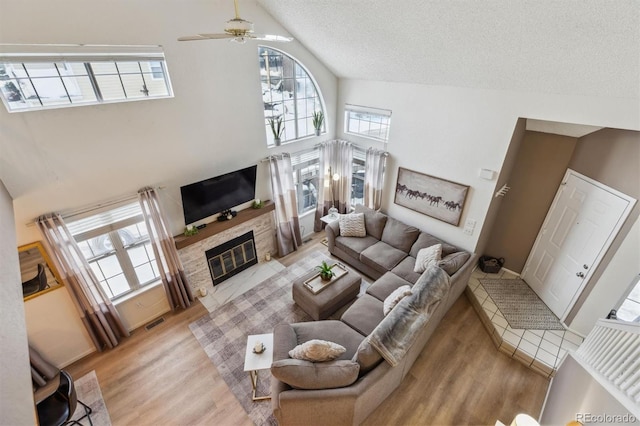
x: 432, y: 196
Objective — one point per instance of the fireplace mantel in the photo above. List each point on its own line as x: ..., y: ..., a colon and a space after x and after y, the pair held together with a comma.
x: 217, y: 227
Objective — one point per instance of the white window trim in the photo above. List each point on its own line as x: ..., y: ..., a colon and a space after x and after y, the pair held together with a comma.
x: 17, y: 53
x: 386, y: 113
x: 320, y: 99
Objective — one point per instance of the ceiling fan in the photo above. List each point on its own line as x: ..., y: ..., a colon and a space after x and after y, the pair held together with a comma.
x: 238, y: 30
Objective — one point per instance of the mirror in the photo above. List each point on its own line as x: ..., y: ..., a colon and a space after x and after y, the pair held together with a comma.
x: 39, y: 275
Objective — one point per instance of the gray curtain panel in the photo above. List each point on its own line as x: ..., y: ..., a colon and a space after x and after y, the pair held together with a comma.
x: 97, y: 313
x: 171, y: 270
x: 336, y: 155
x: 375, y: 162
x: 284, y: 196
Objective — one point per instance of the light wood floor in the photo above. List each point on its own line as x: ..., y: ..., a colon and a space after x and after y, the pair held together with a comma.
x: 163, y: 377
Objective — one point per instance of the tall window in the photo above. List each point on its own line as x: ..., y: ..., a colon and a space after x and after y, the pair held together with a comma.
x: 306, y: 172
x: 37, y: 82
x: 357, y: 177
x: 116, y: 245
x: 372, y: 123
x: 289, y: 94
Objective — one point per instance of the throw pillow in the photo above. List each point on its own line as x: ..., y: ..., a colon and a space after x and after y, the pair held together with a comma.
x: 317, y: 351
x: 394, y: 298
x: 427, y: 256
x: 451, y: 263
x: 301, y: 374
x: 352, y: 225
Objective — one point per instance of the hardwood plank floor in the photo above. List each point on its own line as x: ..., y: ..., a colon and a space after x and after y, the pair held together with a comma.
x: 163, y: 377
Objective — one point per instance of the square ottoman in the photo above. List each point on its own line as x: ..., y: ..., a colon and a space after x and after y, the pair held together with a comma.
x: 321, y: 305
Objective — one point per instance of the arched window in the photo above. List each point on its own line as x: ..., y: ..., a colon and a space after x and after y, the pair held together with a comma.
x: 290, y: 97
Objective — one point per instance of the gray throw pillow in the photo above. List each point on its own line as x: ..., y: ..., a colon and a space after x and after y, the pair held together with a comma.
x: 302, y: 374
x: 451, y: 263
x: 366, y: 356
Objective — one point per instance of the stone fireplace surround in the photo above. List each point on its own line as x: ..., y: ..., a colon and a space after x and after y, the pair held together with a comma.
x: 193, y: 255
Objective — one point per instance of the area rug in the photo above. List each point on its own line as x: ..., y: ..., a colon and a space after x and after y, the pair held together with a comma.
x: 520, y: 306
x: 223, y: 333
x: 88, y: 390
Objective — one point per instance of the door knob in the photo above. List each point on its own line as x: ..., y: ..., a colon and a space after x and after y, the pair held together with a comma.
x: 580, y: 274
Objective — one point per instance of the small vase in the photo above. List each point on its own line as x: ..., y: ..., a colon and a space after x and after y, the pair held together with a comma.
x: 276, y: 141
x: 318, y: 131
x: 326, y: 277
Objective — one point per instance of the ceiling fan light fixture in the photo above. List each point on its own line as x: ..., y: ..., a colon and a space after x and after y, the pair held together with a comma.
x: 238, y: 26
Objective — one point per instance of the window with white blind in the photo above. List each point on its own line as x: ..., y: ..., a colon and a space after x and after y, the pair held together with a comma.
x: 116, y: 245
x: 35, y: 81
x: 372, y: 123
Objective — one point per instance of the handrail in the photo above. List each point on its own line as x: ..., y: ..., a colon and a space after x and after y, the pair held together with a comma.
x: 611, y: 354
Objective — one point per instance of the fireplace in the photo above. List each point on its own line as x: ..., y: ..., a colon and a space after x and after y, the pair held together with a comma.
x: 232, y: 257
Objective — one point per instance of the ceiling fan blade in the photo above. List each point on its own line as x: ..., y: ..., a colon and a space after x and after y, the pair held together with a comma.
x: 205, y: 37
x: 270, y: 37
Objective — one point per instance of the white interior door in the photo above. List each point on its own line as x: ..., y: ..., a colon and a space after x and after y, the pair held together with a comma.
x: 583, y: 220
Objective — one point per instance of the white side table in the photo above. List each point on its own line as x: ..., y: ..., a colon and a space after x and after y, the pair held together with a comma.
x: 330, y: 218
x: 254, y: 362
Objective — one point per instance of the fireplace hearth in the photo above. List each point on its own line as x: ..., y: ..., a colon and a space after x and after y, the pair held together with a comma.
x: 232, y: 257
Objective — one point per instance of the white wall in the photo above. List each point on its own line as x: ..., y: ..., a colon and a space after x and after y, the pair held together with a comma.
x: 62, y: 159
x: 615, y: 281
x: 16, y: 394
x: 451, y: 133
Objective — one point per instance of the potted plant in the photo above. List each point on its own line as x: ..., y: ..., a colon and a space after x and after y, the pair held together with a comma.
x: 318, y: 119
x: 325, y: 271
x: 276, y: 128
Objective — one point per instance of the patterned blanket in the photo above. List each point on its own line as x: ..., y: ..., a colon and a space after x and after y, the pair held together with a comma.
x: 398, y: 330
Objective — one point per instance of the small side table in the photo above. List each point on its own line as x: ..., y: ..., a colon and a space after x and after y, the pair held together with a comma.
x: 330, y: 218
x: 254, y: 362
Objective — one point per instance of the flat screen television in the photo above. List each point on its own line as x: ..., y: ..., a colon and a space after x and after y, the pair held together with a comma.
x: 208, y: 197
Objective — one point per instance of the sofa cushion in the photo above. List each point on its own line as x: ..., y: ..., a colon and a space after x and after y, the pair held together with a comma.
x: 374, y: 221
x: 331, y: 330
x: 399, y: 235
x: 302, y: 374
x: 454, y: 261
x: 352, y: 225
x: 354, y: 246
x: 427, y: 257
x: 364, y: 315
x: 405, y: 269
x: 427, y: 240
x: 381, y: 256
x: 385, y: 285
x: 396, y: 296
x: 367, y: 356
x: 317, y: 350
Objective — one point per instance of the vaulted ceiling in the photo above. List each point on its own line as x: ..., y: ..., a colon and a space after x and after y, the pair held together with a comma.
x: 581, y: 48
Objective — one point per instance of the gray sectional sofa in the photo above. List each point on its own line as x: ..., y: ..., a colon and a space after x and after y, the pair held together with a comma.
x: 345, y: 391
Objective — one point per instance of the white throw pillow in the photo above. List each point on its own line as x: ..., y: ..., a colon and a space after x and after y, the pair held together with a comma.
x: 317, y: 351
x: 394, y: 298
x: 352, y: 225
x: 428, y: 256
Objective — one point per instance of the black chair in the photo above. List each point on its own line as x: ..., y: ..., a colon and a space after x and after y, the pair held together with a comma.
x: 58, y: 408
x: 37, y: 283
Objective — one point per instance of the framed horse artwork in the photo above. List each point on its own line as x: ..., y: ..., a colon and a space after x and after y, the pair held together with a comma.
x: 429, y: 195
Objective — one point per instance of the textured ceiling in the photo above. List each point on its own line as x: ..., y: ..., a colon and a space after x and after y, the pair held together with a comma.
x: 584, y: 48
